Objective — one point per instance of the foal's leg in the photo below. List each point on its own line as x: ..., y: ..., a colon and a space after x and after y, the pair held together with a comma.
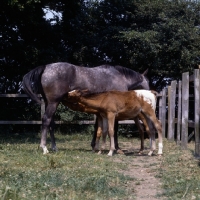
x: 151, y: 118
x: 111, y: 122
x: 99, y: 132
x: 104, y: 134
x: 46, y: 120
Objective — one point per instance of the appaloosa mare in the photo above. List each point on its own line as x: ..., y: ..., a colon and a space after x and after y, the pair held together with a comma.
x: 55, y: 80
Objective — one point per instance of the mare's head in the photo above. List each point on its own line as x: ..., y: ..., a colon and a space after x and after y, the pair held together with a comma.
x: 145, y: 81
x: 134, y: 79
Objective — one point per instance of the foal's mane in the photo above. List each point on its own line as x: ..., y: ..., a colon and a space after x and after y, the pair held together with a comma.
x: 128, y: 73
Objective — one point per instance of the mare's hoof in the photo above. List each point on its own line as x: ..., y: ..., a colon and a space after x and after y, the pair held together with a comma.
x: 55, y: 149
x: 45, y: 150
x: 119, y: 151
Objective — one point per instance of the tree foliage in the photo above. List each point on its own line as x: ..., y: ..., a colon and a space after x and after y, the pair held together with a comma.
x: 161, y: 35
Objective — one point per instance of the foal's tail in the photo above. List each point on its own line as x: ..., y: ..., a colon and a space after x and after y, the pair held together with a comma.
x: 32, y: 83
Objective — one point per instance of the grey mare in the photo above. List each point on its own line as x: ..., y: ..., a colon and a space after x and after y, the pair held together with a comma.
x: 54, y: 81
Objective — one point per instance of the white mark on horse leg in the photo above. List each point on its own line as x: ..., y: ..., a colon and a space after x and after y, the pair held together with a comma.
x: 150, y: 153
x: 100, y: 152
x: 45, y: 150
x: 160, y: 148
x: 110, y: 152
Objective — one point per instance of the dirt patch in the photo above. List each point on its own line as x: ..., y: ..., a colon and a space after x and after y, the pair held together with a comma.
x: 143, y: 169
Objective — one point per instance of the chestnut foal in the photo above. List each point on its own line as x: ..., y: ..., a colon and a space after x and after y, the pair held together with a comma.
x: 121, y: 105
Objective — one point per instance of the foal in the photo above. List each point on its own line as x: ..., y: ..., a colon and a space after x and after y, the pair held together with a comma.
x: 120, y: 105
x: 82, y: 108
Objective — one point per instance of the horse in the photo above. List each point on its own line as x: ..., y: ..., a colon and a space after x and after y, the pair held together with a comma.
x: 123, y: 105
x: 54, y: 81
x: 151, y: 99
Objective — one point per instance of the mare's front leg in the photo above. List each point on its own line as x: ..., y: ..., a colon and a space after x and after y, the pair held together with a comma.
x: 119, y: 151
x: 141, y: 131
x: 46, y: 120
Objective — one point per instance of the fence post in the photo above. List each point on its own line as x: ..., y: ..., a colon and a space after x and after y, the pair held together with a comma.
x: 185, y: 109
x: 178, y: 139
x: 171, y: 111
x: 160, y: 107
x: 163, y: 119
x: 196, y: 110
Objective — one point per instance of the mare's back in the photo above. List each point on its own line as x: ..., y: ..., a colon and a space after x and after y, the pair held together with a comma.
x: 68, y: 77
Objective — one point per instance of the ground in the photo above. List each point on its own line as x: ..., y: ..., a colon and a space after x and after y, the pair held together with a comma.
x: 142, y: 168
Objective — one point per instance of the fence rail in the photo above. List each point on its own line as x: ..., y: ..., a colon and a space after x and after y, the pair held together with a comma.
x: 173, y: 111
x: 174, y: 101
x: 42, y: 108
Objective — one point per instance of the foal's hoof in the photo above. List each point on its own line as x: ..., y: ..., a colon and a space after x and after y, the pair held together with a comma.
x: 99, y: 153
x: 119, y: 151
x: 140, y: 152
x: 150, y: 153
x: 110, y: 153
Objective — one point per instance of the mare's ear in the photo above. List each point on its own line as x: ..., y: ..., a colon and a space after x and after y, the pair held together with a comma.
x: 145, y: 72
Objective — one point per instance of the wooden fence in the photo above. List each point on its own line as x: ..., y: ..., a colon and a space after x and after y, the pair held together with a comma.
x: 175, y: 103
x: 42, y: 108
x: 173, y: 111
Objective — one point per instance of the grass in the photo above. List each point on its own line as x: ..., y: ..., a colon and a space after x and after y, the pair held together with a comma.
x: 71, y: 173
x: 180, y: 172
x: 74, y: 172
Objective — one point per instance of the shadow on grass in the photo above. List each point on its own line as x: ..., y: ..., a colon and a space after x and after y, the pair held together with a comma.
x: 18, y: 138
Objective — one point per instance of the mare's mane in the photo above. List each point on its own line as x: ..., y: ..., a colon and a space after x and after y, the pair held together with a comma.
x: 128, y: 73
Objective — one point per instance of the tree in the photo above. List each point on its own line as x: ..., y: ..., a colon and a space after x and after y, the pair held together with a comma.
x: 27, y: 40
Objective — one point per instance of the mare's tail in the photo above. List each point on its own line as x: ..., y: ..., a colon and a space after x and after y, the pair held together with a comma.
x: 32, y: 83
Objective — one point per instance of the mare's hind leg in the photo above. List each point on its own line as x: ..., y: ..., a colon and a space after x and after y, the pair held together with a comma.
x: 46, y: 120
x: 51, y: 130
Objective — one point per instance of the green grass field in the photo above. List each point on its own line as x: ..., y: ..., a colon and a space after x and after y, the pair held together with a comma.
x: 75, y: 173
